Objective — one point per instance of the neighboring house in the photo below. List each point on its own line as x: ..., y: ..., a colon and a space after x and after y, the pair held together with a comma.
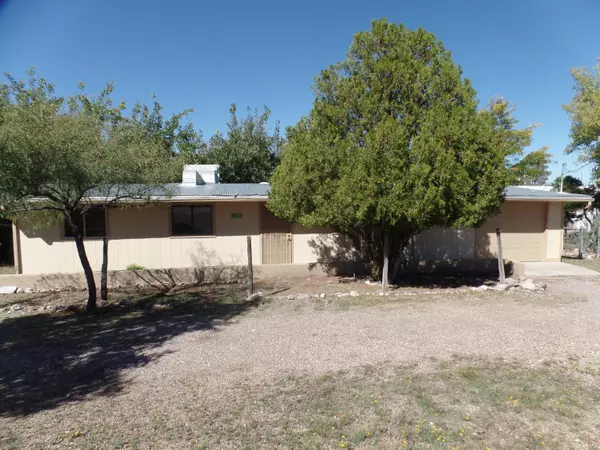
x: 206, y: 223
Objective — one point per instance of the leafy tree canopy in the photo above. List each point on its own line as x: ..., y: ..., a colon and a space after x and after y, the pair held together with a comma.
x: 530, y: 168
x: 577, y: 211
x: 395, y: 144
x: 248, y: 153
x: 59, y: 156
x: 584, y: 112
x: 175, y: 136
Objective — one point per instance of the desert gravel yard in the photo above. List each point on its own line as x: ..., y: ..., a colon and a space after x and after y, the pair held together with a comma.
x: 422, y: 368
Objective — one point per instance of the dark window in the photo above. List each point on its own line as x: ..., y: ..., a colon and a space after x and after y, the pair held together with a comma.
x: 191, y: 220
x: 92, y: 223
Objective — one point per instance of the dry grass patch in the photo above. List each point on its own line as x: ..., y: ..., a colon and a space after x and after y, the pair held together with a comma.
x: 588, y: 263
x: 455, y: 404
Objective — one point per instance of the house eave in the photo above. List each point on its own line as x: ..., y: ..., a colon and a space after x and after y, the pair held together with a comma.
x: 185, y: 198
x: 578, y: 199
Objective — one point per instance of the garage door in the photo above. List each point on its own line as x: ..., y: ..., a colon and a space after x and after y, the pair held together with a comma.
x: 523, y: 225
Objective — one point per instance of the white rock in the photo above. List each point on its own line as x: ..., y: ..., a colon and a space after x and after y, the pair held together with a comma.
x: 354, y: 294
x: 483, y: 287
x: 322, y: 295
x: 510, y: 281
x: 8, y: 289
x: 27, y: 290
x: 302, y: 296
x: 528, y: 284
x: 253, y: 297
x: 500, y: 287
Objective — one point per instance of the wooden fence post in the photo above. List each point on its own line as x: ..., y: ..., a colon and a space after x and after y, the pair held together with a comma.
x: 500, y: 258
x: 250, y: 275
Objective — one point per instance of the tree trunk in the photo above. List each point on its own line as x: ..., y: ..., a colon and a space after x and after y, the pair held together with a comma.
x: 386, y: 261
x: 87, y: 269
x: 104, y: 270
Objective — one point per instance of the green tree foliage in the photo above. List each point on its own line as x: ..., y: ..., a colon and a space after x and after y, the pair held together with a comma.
x: 177, y: 138
x: 59, y: 156
x: 530, y: 168
x: 584, y: 112
x: 248, y: 153
x: 578, y: 211
x: 394, y: 145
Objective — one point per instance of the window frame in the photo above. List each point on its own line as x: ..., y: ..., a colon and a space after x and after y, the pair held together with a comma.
x: 66, y: 227
x: 188, y: 205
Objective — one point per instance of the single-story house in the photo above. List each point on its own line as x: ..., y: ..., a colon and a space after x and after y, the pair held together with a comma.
x: 205, y: 222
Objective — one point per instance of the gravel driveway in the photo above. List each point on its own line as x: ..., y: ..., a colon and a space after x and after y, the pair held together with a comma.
x: 290, y: 338
x: 206, y: 369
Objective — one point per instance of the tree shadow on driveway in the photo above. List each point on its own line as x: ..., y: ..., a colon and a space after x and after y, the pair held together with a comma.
x: 50, y: 359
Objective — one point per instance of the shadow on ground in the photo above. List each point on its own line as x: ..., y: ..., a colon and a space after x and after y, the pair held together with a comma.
x: 441, y: 281
x: 50, y: 359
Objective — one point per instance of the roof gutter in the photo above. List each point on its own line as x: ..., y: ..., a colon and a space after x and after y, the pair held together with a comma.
x: 582, y: 199
x: 184, y: 198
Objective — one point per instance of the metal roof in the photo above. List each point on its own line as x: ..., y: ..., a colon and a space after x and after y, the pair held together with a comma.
x: 232, y: 190
x: 521, y: 193
x: 260, y: 191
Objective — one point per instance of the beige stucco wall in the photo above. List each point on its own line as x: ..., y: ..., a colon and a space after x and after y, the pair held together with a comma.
x: 310, y: 244
x: 523, y: 226
x: 142, y: 236
x: 443, y: 243
x: 554, y: 231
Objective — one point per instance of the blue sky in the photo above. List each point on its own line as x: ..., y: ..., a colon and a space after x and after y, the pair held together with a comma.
x: 207, y: 55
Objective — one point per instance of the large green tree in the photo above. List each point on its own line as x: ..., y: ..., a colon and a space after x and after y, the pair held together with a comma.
x: 175, y: 135
x: 394, y: 145
x: 584, y: 112
x: 59, y: 157
x: 525, y: 168
x: 248, y: 152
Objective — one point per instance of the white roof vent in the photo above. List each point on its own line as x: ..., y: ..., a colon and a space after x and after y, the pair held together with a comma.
x: 195, y: 174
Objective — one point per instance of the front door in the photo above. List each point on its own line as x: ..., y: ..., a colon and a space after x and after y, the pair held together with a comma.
x: 276, y: 239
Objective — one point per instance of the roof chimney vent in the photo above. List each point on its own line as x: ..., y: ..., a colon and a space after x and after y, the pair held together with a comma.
x: 195, y: 174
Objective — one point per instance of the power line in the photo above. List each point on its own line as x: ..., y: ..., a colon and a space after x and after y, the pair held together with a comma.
x: 550, y: 183
x: 580, y: 167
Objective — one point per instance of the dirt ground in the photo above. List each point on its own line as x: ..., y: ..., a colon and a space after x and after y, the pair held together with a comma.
x: 433, y: 365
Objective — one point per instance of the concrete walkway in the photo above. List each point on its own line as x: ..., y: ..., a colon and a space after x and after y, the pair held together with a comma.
x: 556, y: 269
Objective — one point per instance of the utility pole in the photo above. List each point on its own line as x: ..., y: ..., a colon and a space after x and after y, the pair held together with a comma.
x: 562, y: 176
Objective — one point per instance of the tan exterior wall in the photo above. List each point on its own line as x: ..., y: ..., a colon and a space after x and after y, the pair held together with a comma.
x: 142, y: 236
x: 523, y: 226
x: 310, y: 245
x: 443, y: 243
x: 554, y: 231
x: 531, y: 231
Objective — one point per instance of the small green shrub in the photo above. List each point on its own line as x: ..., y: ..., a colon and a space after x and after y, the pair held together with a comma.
x: 135, y: 267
